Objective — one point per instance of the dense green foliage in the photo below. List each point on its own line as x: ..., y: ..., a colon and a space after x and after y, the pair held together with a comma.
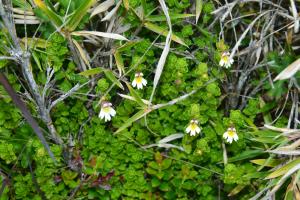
x: 95, y: 163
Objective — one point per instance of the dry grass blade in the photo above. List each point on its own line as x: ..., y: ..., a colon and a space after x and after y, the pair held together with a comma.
x: 171, y: 138
x: 289, y: 71
x: 285, y: 152
x: 100, y: 34
x: 283, y: 179
x: 82, y: 54
x: 112, y: 12
x: 165, y: 52
x: 104, y: 6
x: 26, y: 21
x: 296, y: 16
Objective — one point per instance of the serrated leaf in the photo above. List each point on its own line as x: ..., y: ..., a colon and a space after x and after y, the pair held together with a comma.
x: 157, y: 29
x: 91, y: 72
x: 79, y: 13
x: 136, y: 96
x: 109, y: 74
x: 282, y: 170
x: 134, y: 118
x: 53, y: 17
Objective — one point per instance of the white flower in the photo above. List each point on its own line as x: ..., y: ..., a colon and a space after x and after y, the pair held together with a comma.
x: 193, y: 128
x: 225, y: 61
x: 230, y: 135
x: 139, y: 81
x: 106, y: 111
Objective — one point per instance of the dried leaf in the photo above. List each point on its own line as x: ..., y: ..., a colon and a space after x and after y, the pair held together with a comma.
x: 289, y: 71
x: 104, y: 6
x: 100, y: 34
x: 82, y: 54
x: 112, y: 12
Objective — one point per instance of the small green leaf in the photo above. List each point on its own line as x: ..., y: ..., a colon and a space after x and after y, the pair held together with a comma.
x: 159, y: 30
x: 37, y: 60
x: 119, y: 62
x: 109, y: 74
x: 134, y: 118
x: 135, y: 95
x: 157, y: 18
x: 236, y: 190
x: 91, y: 72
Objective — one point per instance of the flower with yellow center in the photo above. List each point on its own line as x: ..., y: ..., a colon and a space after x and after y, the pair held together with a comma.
x: 226, y: 61
x: 106, y: 111
x: 230, y: 135
x: 139, y: 81
x: 193, y: 128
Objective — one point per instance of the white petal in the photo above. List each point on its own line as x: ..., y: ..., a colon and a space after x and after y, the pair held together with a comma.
x: 198, y: 130
x: 221, y: 63
x: 144, y: 81
x: 231, y: 61
x: 107, y: 117
x: 193, y: 133
x: 101, y: 114
x: 229, y: 140
x: 139, y: 86
x: 235, y: 137
x: 134, y: 83
x: 112, y: 112
x: 225, y: 135
x: 188, y: 129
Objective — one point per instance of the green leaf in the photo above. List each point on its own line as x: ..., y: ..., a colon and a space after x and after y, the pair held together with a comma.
x: 199, y: 5
x: 119, y: 62
x: 246, y: 155
x: 236, y: 190
x: 267, y: 162
x: 91, y: 72
x: 109, y: 74
x: 282, y: 170
x: 134, y: 118
x: 37, y: 60
x: 158, y: 18
x: 75, y: 19
x: 135, y: 95
x: 159, y: 30
x: 53, y: 17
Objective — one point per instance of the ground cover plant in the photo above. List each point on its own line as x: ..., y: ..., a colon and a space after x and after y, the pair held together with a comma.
x: 141, y: 99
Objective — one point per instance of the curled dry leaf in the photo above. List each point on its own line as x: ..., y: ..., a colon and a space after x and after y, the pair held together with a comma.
x: 290, y: 71
x: 100, y: 34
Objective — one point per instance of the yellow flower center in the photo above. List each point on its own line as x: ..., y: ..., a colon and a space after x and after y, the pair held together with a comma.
x: 106, y: 109
x: 138, y: 80
x: 231, y: 133
x: 193, y: 126
x: 225, y: 59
